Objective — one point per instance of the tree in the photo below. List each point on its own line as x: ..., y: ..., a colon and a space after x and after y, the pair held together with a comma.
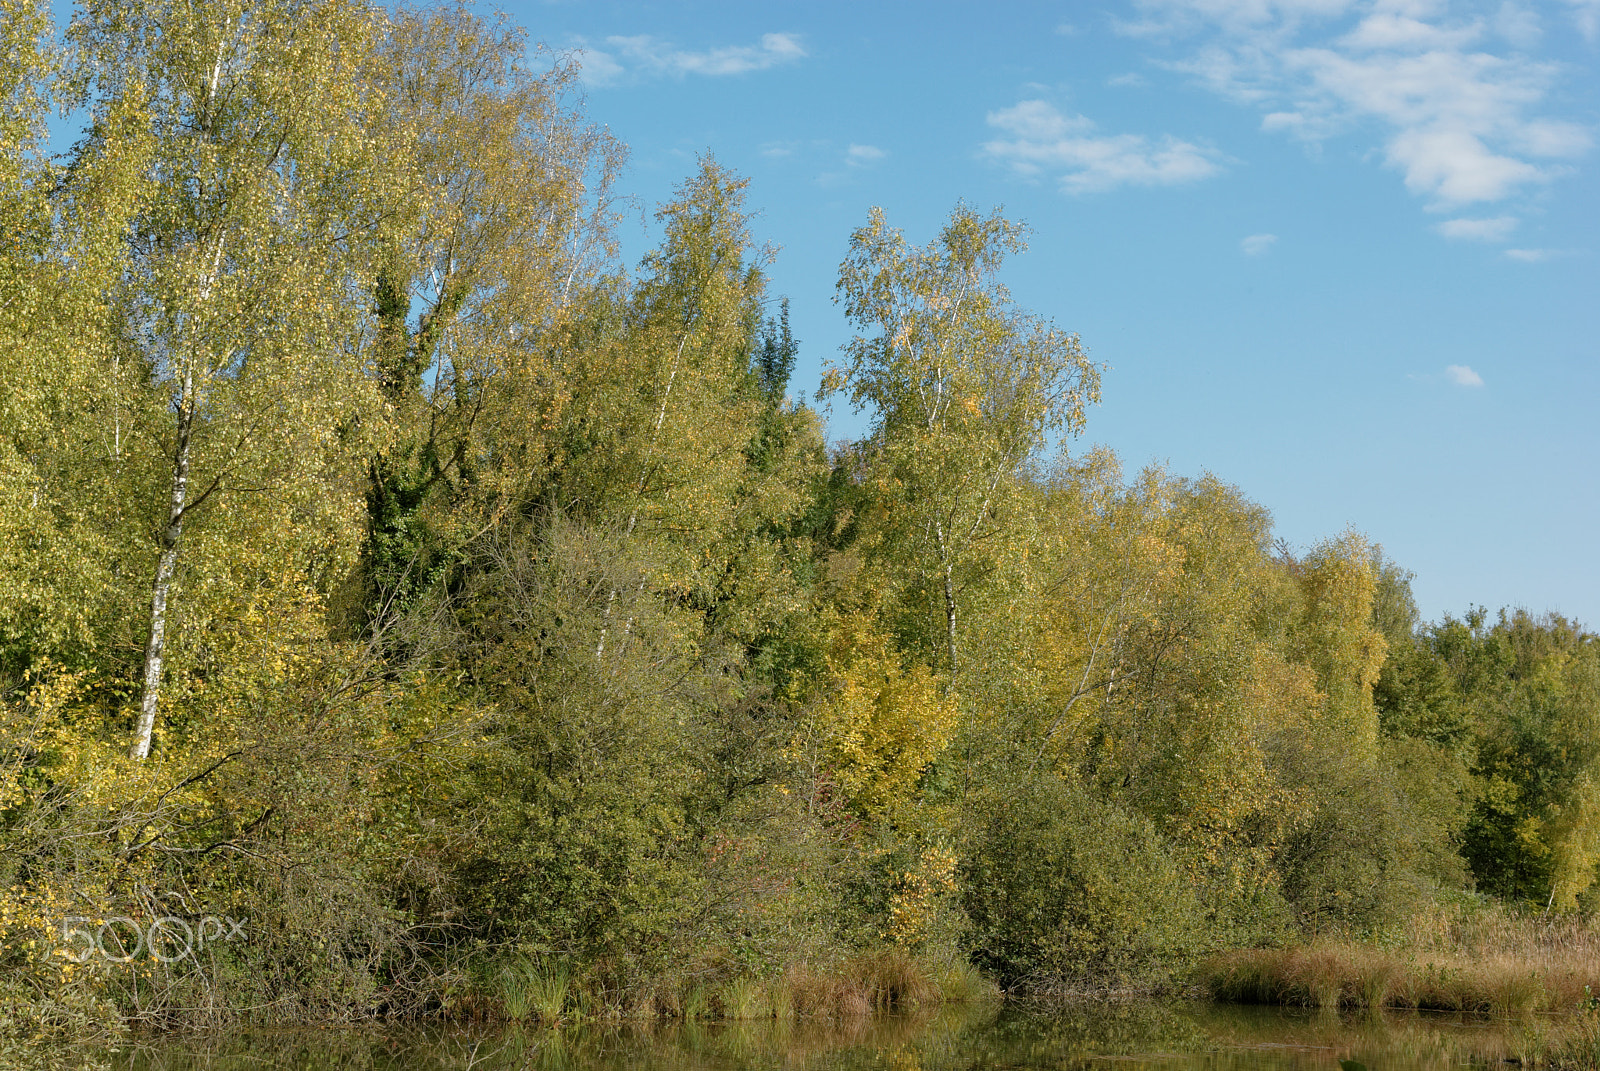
x: 1336, y: 636
x: 666, y: 420
x: 243, y: 251
x: 605, y: 616
x: 69, y: 401
x: 964, y: 388
x: 498, y: 226
x: 1531, y: 688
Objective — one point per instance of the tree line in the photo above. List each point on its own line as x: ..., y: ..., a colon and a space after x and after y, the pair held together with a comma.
x: 385, y: 562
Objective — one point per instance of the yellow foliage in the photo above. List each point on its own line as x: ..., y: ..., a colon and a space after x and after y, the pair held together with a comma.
x: 882, y: 722
x: 915, y: 905
x: 1577, y: 846
x: 1336, y: 637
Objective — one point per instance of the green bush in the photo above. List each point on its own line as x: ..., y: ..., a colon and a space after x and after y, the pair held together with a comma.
x: 1063, y: 888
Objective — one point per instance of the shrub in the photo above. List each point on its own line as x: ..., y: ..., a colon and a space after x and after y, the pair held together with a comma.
x: 1062, y: 887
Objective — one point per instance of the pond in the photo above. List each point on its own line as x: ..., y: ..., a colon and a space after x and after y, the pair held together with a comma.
x: 1111, y: 1036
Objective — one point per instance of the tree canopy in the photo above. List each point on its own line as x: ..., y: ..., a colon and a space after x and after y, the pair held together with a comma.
x: 384, y: 561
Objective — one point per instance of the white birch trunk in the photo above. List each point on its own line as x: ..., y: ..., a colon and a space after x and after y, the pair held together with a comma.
x: 644, y: 475
x: 946, y: 554
x: 166, y: 565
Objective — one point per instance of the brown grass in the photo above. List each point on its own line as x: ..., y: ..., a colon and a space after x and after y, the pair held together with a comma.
x: 1580, y: 1050
x: 861, y: 986
x: 1485, y: 961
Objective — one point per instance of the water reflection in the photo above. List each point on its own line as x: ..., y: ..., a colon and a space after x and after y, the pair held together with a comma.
x: 1105, y: 1037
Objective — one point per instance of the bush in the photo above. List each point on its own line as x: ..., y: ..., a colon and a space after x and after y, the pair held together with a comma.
x: 1064, y: 888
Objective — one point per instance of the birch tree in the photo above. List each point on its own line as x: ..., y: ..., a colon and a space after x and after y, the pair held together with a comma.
x: 68, y: 401
x: 963, y: 386
x: 242, y: 258
x: 666, y: 407
x: 27, y: 75
x: 497, y: 231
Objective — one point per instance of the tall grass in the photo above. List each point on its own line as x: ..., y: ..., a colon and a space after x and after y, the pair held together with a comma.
x: 534, y: 989
x: 1485, y: 960
x: 744, y: 999
x: 1580, y: 1050
x: 856, y: 987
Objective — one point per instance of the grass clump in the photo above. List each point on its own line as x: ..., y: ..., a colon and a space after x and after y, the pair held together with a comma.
x: 1487, y: 961
x: 744, y: 999
x: 534, y: 989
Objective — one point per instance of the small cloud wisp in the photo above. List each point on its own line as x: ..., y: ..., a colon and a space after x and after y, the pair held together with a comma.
x: 1258, y: 245
x: 1497, y: 229
x: 634, y: 58
x: 1042, y: 140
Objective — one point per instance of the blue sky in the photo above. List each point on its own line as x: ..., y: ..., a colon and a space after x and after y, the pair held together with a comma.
x: 1341, y: 253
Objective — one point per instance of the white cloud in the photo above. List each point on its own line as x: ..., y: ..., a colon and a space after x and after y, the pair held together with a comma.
x: 1258, y: 245
x: 1549, y: 137
x: 1038, y: 121
x: 1497, y: 229
x: 1174, y: 17
x: 1456, y: 167
x: 1532, y: 256
x: 1520, y: 26
x: 1131, y: 80
x: 644, y: 56
x: 1462, y: 376
x: 854, y: 158
x: 1045, y: 141
x: 1386, y: 30
x: 599, y: 68
x: 1447, y: 111
x: 1464, y: 120
x: 1241, y: 77
x: 1586, y: 17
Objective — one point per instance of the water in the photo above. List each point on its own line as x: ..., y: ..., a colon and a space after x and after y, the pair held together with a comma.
x: 1075, y: 1037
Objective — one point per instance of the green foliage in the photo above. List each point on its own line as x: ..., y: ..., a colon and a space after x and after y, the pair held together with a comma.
x: 1507, y: 709
x: 512, y: 643
x: 964, y: 390
x: 1349, y: 865
x: 1060, y: 885
x: 1533, y: 687
x: 495, y: 228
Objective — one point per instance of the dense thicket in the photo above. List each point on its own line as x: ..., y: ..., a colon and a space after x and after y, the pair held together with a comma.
x: 385, y: 566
